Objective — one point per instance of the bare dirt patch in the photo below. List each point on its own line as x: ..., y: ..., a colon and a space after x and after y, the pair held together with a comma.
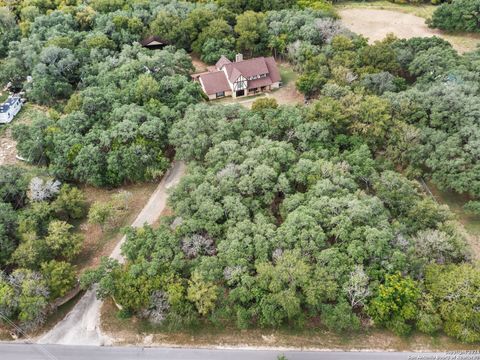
x: 198, y: 64
x: 8, y: 148
x: 375, y: 24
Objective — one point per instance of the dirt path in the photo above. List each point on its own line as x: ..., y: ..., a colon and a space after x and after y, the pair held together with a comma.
x: 375, y: 24
x: 81, y: 326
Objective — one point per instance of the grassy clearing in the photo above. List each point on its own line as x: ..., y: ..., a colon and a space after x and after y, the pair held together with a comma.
x: 28, y: 112
x: 287, y: 73
x: 100, y: 243
x: 422, y: 10
x: 374, y: 25
x: 136, y: 332
x: 470, y: 222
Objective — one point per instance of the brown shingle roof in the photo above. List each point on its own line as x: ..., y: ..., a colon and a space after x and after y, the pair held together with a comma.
x: 273, y: 72
x: 152, y: 38
x: 214, y: 82
x: 222, y: 61
x: 252, y: 84
x: 247, y: 68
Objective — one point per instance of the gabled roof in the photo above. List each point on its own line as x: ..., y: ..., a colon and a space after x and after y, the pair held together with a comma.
x: 214, y: 82
x: 153, y: 39
x: 222, y: 61
x: 234, y: 75
x: 248, y: 68
x: 273, y: 71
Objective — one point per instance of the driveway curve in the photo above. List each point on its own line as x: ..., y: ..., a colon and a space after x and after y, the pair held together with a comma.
x: 81, y: 326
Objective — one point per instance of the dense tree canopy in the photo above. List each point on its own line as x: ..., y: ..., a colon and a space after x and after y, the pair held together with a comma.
x: 289, y: 216
x: 36, y: 244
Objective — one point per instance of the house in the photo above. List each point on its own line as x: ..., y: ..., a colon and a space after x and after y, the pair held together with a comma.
x: 239, y: 78
x: 10, y: 108
x: 154, y: 42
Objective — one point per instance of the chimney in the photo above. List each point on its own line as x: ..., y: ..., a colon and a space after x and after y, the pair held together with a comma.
x: 238, y: 57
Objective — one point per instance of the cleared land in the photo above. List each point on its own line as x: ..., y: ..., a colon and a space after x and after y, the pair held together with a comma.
x: 376, y: 23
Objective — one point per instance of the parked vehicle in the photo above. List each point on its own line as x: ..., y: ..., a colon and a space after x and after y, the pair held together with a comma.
x: 10, y: 108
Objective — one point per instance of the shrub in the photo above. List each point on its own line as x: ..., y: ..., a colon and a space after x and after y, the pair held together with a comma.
x: 459, y: 15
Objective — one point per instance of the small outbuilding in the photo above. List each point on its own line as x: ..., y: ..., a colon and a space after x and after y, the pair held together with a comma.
x: 10, y: 108
x: 154, y: 42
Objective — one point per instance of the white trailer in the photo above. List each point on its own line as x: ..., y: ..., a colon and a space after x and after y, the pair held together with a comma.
x: 10, y: 108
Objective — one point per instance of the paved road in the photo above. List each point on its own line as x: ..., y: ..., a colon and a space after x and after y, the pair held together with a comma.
x: 81, y: 326
x: 58, y: 352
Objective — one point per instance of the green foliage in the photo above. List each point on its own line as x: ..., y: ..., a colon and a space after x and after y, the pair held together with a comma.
x: 340, y: 317
x: 8, y: 236
x: 24, y: 295
x: 101, y: 213
x: 264, y: 104
x: 13, y: 186
x: 70, y: 203
x: 35, y: 245
x: 324, y: 5
x: 60, y: 277
x: 285, y: 216
x: 457, y: 15
x: 251, y: 29
x: 395, y: 305
x: 455, y: 291
x: 473, y: 207
x: 135, y: 135
x: 202, y: 293
x: 61, y: 241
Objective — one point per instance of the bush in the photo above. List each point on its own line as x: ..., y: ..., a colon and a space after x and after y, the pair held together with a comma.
x: 473, y: 207
x: 70, y: 203
x: 340, y: 317
x: 101, y: 213
x: 264, y: 103
x: 60, y: 277
x: 459, y: 15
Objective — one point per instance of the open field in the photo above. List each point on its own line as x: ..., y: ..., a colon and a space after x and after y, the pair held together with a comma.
x: 422, y: 10
x: 375, y: 21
